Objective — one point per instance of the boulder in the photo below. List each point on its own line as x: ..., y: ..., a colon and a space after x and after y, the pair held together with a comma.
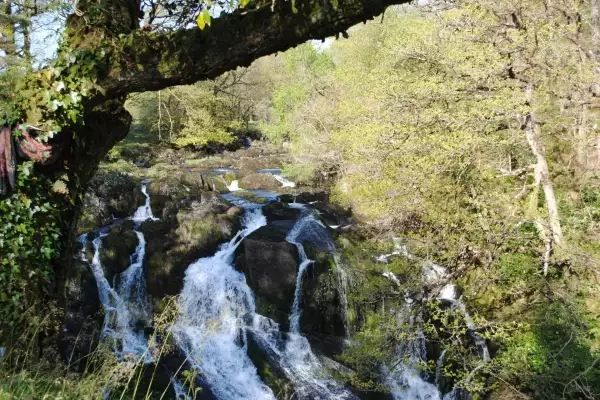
x: 277, y: 211
x: 270, y: 265
x: 195, y: 230
x: 84, y: 315
x: 259, y: 181
x: 322, y: 318
x: 333, y: 215
x: 117, y: 247
x: 287, y: 198
x: 109, y: 195
x: 310, y: 197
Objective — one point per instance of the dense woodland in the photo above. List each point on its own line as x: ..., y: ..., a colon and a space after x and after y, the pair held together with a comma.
x: 467, y: 131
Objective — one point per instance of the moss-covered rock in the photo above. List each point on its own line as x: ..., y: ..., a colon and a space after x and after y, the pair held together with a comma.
x: 322, y: 317
x: 270, y: 265
x: 117, y: 248
x: 259, y: 181
x: 109, y: 195
x: 192, y: 231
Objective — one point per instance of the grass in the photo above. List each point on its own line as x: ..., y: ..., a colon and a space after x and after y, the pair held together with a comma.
x: 26, y: 376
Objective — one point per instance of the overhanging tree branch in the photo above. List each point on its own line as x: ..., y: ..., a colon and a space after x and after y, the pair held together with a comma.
x: 153, y: 61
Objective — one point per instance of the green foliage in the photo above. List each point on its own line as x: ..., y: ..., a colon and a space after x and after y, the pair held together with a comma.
x: 555, y: 356
x: 29, y: 240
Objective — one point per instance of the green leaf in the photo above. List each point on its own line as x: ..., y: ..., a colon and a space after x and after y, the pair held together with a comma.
x: 203, y: 19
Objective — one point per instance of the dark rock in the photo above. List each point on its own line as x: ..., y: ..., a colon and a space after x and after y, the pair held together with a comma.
x: 270, y: 265
x: 269, y: 370
x: 309, y: 197
x: 84, y: 316
x: 172, y: 244
x: 333, y: 214
x: 286, y: 198
x: 109, y: 195
x: 117, y: 247
x: 277, y: 211
x: 322, y: 318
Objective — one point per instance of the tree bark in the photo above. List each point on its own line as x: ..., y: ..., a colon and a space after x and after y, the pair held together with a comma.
x: 542, y: 177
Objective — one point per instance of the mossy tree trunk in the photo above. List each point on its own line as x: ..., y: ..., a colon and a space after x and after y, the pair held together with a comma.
x: 138, y: 60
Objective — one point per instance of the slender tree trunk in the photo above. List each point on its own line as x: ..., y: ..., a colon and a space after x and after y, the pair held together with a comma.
x: 595, y: 27
x: 542, y: 177
x: 581, y: 137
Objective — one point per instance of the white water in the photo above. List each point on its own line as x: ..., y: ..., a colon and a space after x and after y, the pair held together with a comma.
x: 211, y: 330
x: 144, y: 212
x: 181, y: 393
x: 342, y: 284
x: 405, y: 380
x: 234, y: 186
x: 284, y: 182
x: 125, y: 304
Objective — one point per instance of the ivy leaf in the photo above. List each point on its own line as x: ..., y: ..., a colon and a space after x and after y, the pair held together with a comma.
x: 203, y: 19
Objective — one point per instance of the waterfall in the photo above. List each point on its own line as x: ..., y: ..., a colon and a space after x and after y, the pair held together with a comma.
x: 405, y: 380
x: 306, y: 228
x: 234, y: 186
x: 144, y: 212
x: 438, y: 367
x: 449, y: 293
x: 181, y: 393
x: 342, y: 282
x: 125, y: 303
x: 276, y: 173
x: 210, y: 328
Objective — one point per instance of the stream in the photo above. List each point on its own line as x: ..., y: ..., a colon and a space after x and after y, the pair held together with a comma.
x: 217, y: 313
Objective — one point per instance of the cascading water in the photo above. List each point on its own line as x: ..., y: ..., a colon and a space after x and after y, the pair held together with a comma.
x: 144, y: 212
x: 342, y: 283
x: 234, y: 186
x: 284, y: 182
x: 276, y: 173
x: 125, y: 304
x: 210, y: 329
x: 449, y: 293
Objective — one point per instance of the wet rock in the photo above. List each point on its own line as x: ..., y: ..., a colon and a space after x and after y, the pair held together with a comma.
x: 322, y: 318
x: 234, y: 211
x: 109, y: 195
x: 269, y: 371
x: 259, y: 181
x: 195, y: 230
x: 333, y: 215
x: 270, y: 265
x: 277, y: 211
x: 84, y: 316
x: 287, y: 198
x: 309, y: 197
x: 117, y: 248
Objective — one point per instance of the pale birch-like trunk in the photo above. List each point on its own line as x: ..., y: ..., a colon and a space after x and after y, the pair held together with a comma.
x: 542, y: 177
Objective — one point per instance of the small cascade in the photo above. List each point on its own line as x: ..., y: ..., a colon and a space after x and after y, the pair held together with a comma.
x: 307, y: 228
x: 342, y: 283
x: 438, y: 367
x: 284, y: 182
x: 450, y: 294
x: 210, y: 329
x: 405, y: 380
x: 276, y: 173
x: 125, y: 303
x: 144, y: 212
x: 234, y: 186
